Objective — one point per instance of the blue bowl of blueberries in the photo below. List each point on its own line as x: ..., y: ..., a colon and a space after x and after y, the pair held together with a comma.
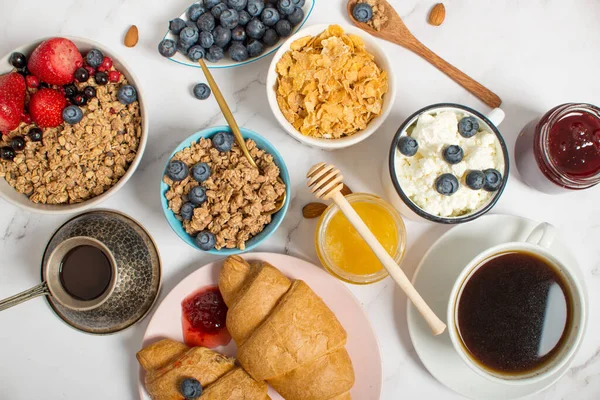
x: 197, y: 175
x: 230, y: 33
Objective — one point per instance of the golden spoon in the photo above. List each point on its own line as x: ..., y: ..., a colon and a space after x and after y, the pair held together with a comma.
x: 325, y: 182
x: 236, y: 130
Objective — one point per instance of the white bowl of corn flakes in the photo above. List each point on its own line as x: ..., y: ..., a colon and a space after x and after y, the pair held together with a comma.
x: 330, y: 86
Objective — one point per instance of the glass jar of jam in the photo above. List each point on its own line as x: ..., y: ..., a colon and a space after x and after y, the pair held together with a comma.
x: 560, y: 151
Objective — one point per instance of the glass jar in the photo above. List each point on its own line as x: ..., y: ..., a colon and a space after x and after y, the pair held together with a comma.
x: 560, y: 151
x: 353, y: 247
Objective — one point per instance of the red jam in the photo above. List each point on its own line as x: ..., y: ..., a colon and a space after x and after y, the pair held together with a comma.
x: 203, y: 316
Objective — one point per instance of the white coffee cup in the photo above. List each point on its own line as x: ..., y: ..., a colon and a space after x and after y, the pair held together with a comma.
x: 538, y: 242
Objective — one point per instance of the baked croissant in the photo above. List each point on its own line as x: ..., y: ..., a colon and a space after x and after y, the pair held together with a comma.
x: 285, y: 333
x: 168, y: 362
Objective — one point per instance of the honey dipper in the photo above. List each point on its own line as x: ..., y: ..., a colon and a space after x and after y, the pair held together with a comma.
x: 325, y: 182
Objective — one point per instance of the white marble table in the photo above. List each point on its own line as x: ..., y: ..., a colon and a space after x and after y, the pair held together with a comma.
x: 535, y: 54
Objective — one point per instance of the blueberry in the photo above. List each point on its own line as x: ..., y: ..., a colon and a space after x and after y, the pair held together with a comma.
x: 205, y: 241
x: 468, y: 126
x: 223, y: 141
x: 238, y: 52
x: 197, y: 195
x: 35, y: 134
x: 217, y: 10
x: 167, y: 48
x: 79, y: 99
x: 201, y: 172
x: 214, y: 54
x: 222, y: 36
x: 211, y: 3
x: 101, y: 78
x: 177, y: 170
x: 254, y: 47
x: 187, y: 211
x: 238, y: 33
x: 255, y: 7
x: 446, y: 184
x: 255, y: 29
x: 94, y: 58
x: 298, y: 3
x: 237, y: 5
x: 183, y: 47
x: 229, y: 19
x: 89, y: 92
x: 190, y: 388
x: 296, y: 17
x: 70, y: 90
x: 127, y: 94
x: 189, y: 35
x: 191, y: 24
x: 283, y: 28
x: 72, y: 115
x: 17, y: 143
x: 475, y: 179
x: 196, y: 52
x: 408, y: 146
x: 270, y: 37
x: 201, y: 91
x: 177, y: 25
x: 195, y: 11
x: 206, y: 40
x: 285, y: 7
x: 81, y: 75
x: 362, y: 12
x: 206, y: 22
x: 453, y: 154
x: 18, y: 60
x: 7, y: 153
x: 23, y: 71
x: 244, y: 17
x: 269, y: 16
x: 493, y: 180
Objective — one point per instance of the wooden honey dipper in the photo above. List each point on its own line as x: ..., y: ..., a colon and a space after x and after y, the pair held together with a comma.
x: 325, y: 182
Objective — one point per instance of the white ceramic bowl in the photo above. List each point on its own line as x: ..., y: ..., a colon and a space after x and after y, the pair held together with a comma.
x: 9, y: 194
x: 382, y: 61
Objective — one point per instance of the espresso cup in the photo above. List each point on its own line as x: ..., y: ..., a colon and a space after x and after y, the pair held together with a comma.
x: 536, y: 244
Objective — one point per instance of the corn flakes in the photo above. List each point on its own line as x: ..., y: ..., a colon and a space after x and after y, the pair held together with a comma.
x: 329, y: 86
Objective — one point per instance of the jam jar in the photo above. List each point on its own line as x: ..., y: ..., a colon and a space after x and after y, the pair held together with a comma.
x: 560, y: 151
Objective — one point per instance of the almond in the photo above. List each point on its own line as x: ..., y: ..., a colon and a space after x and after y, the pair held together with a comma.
x: 131, y: 37
x: 313, y: 210
x: 437, y: 14
x: 346, y: 190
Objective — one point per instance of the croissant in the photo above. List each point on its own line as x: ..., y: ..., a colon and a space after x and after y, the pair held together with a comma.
x: 168, y: 362
x: 285, y: 333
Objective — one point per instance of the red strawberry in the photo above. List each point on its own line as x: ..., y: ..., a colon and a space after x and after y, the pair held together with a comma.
x: 46, y: 107
x: 55, y: 61
x: 12, y: 100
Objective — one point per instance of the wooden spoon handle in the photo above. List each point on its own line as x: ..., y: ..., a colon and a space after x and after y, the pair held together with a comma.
x: 436, y: 325
x: 477, y: 89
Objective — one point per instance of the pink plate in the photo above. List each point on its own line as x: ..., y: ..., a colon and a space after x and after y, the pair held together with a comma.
x: 362, y: 344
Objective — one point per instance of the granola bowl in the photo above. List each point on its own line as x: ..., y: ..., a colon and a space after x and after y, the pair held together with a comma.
x: 128, y: 160
x: 236, y: 226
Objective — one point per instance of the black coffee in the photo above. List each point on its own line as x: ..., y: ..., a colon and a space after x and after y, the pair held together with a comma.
x: 514, y: 313
x: 85, y: 272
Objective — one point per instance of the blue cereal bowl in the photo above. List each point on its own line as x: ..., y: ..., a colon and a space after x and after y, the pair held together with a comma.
x: 276, y: 218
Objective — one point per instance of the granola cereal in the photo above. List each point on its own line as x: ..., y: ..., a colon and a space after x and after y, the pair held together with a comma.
x: 379, y: 16
x: 74, y: 163
x: 237, y: 193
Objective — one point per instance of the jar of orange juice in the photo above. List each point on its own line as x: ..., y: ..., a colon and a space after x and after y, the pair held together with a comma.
x: 342, y: 250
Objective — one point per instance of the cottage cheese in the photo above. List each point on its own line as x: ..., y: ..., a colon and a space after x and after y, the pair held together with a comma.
x: 417, y: 174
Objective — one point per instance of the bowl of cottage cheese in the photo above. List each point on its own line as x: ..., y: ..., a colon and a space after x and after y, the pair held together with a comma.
x: 448, y: 163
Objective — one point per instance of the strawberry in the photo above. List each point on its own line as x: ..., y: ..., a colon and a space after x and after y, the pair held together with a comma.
x: 12, y: 100
x: 46, y: 106
x: 54, y: 61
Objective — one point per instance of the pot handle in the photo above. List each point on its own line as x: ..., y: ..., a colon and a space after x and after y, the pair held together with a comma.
x: 496, y: 116
x: 39, y: 290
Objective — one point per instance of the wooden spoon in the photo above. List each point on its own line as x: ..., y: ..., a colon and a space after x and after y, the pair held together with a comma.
x: 394, y: 30
x: 325, y: 182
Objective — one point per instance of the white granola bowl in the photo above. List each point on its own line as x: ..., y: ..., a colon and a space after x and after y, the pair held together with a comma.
x: 382, y: 61
x: 9, y: 194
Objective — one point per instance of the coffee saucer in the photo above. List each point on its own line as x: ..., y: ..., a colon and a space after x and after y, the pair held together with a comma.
x: 434, y: 278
